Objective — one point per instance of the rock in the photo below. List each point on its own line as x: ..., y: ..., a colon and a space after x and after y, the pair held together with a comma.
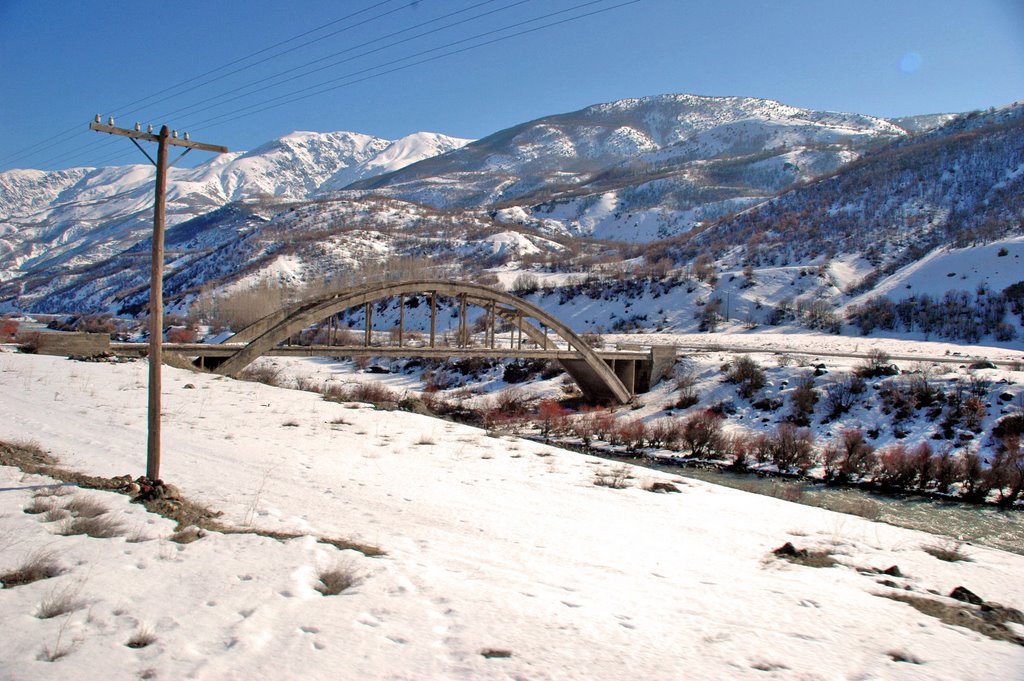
x: 1006, y: 396
x: 663, y: 487
x: 496, y: 653
x: 188, y: 386
x: 966, y: 595
x: 893, y: 571
x: 787, y: 550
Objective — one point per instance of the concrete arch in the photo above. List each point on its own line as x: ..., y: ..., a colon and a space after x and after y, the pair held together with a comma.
x: 593, y: 375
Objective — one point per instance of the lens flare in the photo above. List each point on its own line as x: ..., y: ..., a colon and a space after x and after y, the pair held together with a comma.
x: 910, y: 62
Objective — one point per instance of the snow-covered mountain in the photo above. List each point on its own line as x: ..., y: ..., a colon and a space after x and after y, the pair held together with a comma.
x: 696, y: 190
x: 75, y: 217
x: 703, y: 155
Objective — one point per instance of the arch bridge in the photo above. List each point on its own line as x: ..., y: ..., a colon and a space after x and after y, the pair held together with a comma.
x: 526, y: 331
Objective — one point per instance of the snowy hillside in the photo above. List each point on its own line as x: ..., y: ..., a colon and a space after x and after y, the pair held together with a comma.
x: 629, y: 142
x: 501, y: 558
x: 55, y: 221
x: 958, y: 185
x: 294, y: 244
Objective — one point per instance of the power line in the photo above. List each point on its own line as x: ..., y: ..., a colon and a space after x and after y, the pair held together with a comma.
x: 263, y: 81
x: 49, y: 142
x: 274, y: 56
x: 292, y: 97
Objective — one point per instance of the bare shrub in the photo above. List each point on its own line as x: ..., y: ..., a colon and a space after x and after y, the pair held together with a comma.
x: 238, y: 309
x: 264, y: 373
x: 740, y: 448
x: 665, y: 432
x: 944, y: 469
x: 788, y: 448
x: 924, y: 391
x: 802, y: 400
x: 686, y: 384
x: 371, y: 392
x: 511, y: 403
x: 335, y: 580
x: 973, y: 475
x: 858, y: 456
x: 553, y: 417
x: 702, y: 433
x: 747, y: 374
x: 842, y: 393
x: 630, y: 433
x: 896, y: 467
x: 54, y: 514
x: 36, y: 566
x: 1006, y: 472
x: 877, y: 363
x: 309, y: 384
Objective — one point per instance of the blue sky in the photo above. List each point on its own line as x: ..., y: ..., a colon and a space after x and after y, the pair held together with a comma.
x: 62, y: 61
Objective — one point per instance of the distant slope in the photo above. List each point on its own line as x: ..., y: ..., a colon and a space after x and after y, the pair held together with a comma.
x: 681, y: 152
x: 958, y: 185
x: 75, y: 217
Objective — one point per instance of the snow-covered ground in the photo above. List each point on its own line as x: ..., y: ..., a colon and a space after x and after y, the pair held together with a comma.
x: 492, y: 545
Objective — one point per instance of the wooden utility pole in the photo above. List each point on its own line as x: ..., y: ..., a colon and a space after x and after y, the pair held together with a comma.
x: 156, y: 281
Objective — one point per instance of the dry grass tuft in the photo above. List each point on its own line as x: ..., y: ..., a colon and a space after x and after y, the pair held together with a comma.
x: 949, y: 551
x: 337, y: 579
x: 98, y: 527
x: 36, y: 566
x: 141, y: 638
x: 55, y: 514
x: 38, y: 506
x: 84, y: 507
x: 615, y: 478
x: 266, y: 374
x: 60, y: 602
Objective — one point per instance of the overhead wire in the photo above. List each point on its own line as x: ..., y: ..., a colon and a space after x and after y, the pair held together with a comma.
x: 279, y: 54
x: 368, y: 73
x: 311, y: 91
x: 49, y: 142
x: 264, y: 85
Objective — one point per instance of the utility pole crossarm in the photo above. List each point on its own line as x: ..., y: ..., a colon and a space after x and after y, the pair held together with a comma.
x: 156, y: 285
x: 150, y: 137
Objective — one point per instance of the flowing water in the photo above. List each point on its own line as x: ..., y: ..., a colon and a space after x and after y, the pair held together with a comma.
x: 983, y: 525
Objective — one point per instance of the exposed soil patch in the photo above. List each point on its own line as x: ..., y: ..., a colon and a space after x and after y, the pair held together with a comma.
x: 157, y: 497
x: 985, y: 618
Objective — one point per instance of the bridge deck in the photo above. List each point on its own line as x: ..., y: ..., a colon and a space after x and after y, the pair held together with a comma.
x: 229, y: 349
